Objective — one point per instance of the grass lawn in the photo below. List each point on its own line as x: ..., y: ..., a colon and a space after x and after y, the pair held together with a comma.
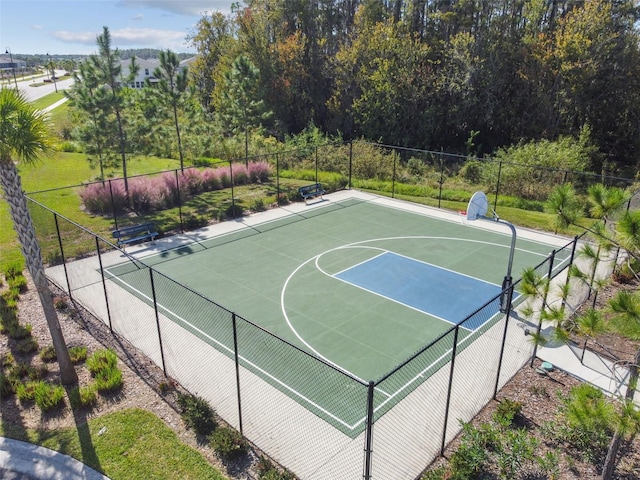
x: 60, y: 170
x: 134, y: 444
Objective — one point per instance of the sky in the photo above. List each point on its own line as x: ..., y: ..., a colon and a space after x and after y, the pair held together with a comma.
x: 61, y: 27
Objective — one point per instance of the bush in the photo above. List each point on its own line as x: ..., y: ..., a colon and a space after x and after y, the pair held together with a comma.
x: 18, y: 332
x: 210, y: 180
x: 227, y: 443
x: 197, y: 414
x: 48, y: 354
x: 47, y: 396
x: 102, y: 360
x: 13, y: 269
x: 108, y: 380
x: 8, y: 385
x: 78, y: 354
x: 18, y: 282
x: 96, y: 197
x: 240, y: 174
x: 193, y: 222
x: 103, y: 365
x: 27, y: 345
x: 266, y: 471
x: 81, y: 397
x: 259, y: 172
x: 506, y: 412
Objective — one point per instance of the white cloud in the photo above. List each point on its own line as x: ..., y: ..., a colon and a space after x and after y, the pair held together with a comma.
x: 138, y: 18
x: 129, y: 38
x: 181, y: 7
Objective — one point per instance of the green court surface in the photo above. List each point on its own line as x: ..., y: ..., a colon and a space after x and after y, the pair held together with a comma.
x: 315, y: 280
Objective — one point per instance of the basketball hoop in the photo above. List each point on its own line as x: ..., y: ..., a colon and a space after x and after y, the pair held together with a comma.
x: 478, y: 208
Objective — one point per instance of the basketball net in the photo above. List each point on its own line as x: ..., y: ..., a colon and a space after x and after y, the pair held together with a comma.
x: 463, y: 217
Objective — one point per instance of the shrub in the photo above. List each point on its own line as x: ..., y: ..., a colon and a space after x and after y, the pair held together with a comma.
x: 11, y: 295
x: 147, y: 194
x: 27, y: 345
x: 190, y: 181
x: 259, y: 172
x: 266, y: 471
x: 193, y: 222
x: 12, y: 269
x: 197, y: 414
x: 47, y: 396
x: 471, y: 171
x: 103, y: 365
x: 240, y: 174
x: 81, y: 397
x: 233, y: 211
x: 60, y: 303
x: 506, y: 412
x: 97, y: 197
x: 8, y: 385
x: 78, y: 354
x: 18, y: 332
x: 108, y: 380
x: 223, y: 174
x: 227, y: 443
x: 68, y: 146
x: 48, y: 354
x: 258, y: 205
x: 26, y: 392
x: 210, y: 180
x: 102, y: 360
x: 18, y: 282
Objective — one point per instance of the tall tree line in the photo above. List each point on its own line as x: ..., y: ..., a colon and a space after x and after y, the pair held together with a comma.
x: 427, y: 73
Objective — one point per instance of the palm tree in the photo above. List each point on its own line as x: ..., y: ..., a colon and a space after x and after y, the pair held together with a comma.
x: 24, y: 136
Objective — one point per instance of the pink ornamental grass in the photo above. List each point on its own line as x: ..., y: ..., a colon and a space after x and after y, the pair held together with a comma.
x: 259, y: 171
x: 224, y: 175
x: 96, y: 197
x: 148, y: 194
x: 210, y: 180
x: 240, y: 174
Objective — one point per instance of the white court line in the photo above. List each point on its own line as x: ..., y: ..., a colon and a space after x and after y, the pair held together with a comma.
x: 268, y: 375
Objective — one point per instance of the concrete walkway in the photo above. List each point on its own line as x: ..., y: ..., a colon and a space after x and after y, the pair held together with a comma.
x: 611, y: 377
x: 25, y: 461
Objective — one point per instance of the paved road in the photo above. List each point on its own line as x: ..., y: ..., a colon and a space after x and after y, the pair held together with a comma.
x: 35, y: 92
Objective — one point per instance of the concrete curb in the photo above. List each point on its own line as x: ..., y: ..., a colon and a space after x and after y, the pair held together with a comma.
x: 25, y: 461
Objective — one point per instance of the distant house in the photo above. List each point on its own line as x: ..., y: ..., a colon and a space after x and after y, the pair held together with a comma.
x: 146, y: 69
x: 16, y: 65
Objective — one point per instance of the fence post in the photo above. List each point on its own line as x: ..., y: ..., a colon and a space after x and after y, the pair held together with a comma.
x: 504, y: 340
x: 441, y: 181
x: 233, y: 198
x: 316, y: 153
x: 573, y: 254
x: 393, y: 178
x: 495, y: 201
x: 155, y: 308
x: 179, y: 201
x: 369, y: 433
x: 448, y: 404
x: 104, y: 284
x: 237, y: 362
x: 113, y: 207
x: 350, y: 162
x: 544, y: 302
x: 277, y: 179
x: 64, y: 262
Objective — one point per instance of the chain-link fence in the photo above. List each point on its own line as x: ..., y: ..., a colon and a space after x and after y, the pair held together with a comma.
x: 284, y: 400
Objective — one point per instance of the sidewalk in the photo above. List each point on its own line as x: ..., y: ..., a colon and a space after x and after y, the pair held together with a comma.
x: 610, y: 377
x: 25, y: 461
